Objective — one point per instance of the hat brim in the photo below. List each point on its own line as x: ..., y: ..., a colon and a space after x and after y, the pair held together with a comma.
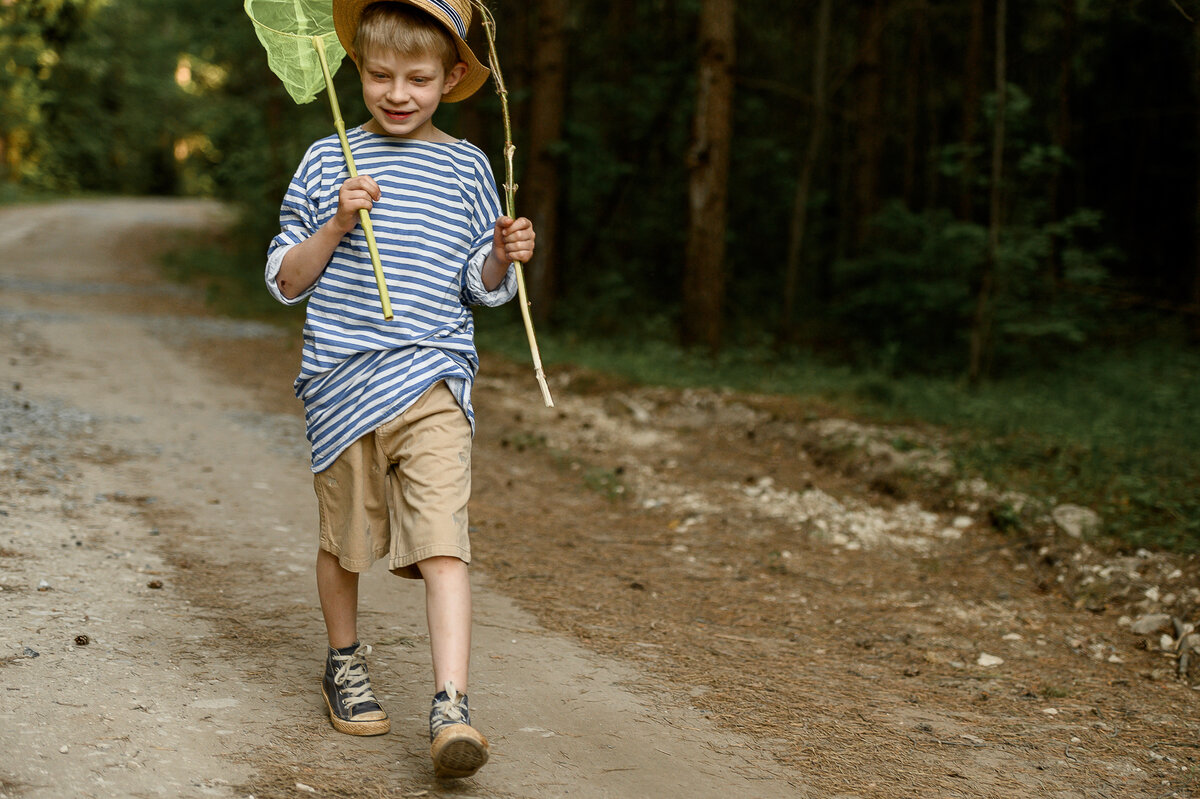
x: 346, y: 16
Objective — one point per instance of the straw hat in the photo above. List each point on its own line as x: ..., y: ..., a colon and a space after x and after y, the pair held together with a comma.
x: 455, y: 15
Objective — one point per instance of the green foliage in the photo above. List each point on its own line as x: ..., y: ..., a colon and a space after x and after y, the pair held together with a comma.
x: 905, y: 303
x: 33, y: 36
x: 118, y: 111
x: 194, y: 109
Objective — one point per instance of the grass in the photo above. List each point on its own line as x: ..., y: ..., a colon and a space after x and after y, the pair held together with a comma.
x: 1116, y: 431
x: 231, y: 287
x: 16, y: 193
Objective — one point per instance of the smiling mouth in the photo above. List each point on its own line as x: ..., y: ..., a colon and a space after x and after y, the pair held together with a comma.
x: 398, y: 115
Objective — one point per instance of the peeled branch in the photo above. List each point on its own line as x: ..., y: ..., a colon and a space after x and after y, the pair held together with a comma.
x: 510, y: 192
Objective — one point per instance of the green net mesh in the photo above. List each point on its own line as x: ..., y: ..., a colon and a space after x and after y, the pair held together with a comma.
x: 286, y: 29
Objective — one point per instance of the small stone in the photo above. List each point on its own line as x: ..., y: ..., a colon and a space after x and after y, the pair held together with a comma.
x: 1150, y: 623
x: 615, y: 405
x: 1166, y: 643
x: 30, y: 653
x: 82, y: 640
x: 43, y: 586
x: 989, y: 660
x: 64, y: 749
x: 1050, y: 711
x: 155, y: 584
x: 1076, y: 521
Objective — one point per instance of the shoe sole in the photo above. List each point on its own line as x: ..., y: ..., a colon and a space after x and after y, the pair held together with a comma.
x: 370, y: 727
x: 458, y: 751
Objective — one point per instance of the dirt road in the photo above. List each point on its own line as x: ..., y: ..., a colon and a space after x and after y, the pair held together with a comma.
x: 678, y: 593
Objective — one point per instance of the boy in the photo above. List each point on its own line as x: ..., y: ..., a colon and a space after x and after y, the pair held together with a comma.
x: 388, y: 404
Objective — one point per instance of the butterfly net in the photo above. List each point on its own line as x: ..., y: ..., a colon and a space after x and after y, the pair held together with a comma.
x: 286, y: 29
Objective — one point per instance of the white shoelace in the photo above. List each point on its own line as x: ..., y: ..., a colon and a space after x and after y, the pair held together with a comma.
x: 351, y: 677
x: 450, y: 709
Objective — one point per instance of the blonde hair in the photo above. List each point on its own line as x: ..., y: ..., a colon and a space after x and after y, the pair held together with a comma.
x: 406, y: 30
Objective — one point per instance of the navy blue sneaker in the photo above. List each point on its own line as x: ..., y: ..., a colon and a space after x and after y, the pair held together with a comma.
x: 347, y: 690
x: 457, y: 748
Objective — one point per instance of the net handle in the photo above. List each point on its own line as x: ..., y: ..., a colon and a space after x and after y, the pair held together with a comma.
x: 363, y: 216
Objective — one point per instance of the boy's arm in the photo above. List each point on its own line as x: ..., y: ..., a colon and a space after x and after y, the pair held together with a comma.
x: 304, y: 263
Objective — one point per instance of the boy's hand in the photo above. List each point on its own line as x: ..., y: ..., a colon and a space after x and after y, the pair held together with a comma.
x: 359, y: 193
x: 513, y: 240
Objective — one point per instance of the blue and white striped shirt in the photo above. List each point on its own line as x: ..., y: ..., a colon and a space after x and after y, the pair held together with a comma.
x: 433, y: 228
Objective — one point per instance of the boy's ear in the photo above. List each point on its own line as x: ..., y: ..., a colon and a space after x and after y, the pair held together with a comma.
x: 454, y: 76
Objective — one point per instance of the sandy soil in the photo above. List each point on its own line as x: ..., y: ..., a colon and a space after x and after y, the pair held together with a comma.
x: 679, y: 593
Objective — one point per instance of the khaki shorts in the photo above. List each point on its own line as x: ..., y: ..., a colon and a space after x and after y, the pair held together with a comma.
x: 401, y: 490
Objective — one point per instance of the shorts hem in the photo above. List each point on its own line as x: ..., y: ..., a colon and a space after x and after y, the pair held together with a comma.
x: 356, y: 565
x: 406, y: 564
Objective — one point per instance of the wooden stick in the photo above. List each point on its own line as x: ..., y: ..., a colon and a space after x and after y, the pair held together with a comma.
x: 363, y: 216
x: 510, y: 192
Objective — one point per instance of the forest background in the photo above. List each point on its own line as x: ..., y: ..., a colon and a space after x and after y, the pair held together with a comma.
x: 969, y: 213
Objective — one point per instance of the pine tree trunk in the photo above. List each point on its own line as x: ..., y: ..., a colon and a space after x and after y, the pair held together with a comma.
x: 545, y: 133
x: 708, y: 164
x: 1062, y: 141
x: 871, y: 128
x: 9, y: 173
x: 816, y: 137
x: 971, y: 108
x: 914, y: 93
x: 1195, y: 316
x: 981, y: 327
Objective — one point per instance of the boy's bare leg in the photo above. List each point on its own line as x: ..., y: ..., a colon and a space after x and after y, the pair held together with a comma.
x: 338, y: 589
x: 448, y: 610
x: 457, y: 748
x: 346, y: 686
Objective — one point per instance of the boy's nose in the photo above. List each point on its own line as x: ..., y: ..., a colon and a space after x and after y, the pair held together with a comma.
x: 397, y: 92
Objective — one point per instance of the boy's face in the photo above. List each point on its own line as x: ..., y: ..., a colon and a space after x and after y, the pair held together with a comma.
x: 402, y: 92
